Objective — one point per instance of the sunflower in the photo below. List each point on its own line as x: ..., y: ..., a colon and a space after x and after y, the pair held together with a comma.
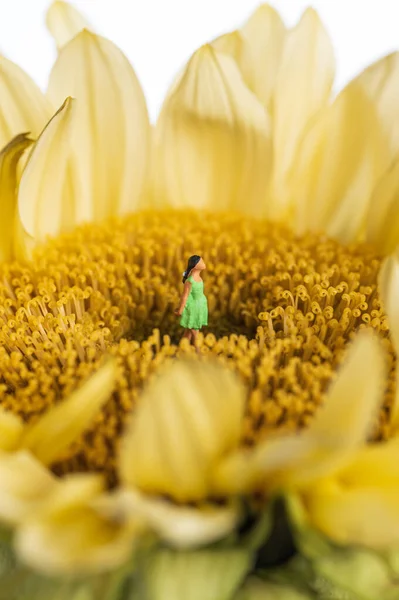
x: 289, y: 193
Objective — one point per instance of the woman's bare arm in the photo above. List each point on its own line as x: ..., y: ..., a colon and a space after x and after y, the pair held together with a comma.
x: 183, y: 300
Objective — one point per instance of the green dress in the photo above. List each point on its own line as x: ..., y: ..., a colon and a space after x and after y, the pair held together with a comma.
x: 195, y: 313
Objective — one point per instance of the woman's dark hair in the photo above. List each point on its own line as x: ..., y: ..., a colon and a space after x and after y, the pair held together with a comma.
x: 192, y: 262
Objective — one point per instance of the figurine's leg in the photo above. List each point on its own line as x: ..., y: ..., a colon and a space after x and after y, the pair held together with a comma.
x: 194, y: 336
x: 187, y: 334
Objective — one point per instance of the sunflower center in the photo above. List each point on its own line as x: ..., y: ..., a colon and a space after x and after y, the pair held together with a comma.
x: 281, y: 311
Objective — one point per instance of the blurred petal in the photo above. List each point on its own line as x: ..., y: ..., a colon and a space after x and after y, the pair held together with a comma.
x: 367, y: 516
x: 340, y: 427
x: 303, y: 87
x: 64, y: 22
x: 9, y: 158
x: 67, y: 536
x: 337, y: 166
x: 182, y: 526
x: 383, y: 214
x: 353, y: 400
x: 11, y: 428
x: 111, y: 130
x: 186, y: 419
x: 374, y: 465
x: 60, y: 426
x: 389, y: 292
x: 212, y: 139
x: 24, y: 485
x: 381, y: 82
x: 24, y: 107
x: 257, y: 49
x: 46, y: 199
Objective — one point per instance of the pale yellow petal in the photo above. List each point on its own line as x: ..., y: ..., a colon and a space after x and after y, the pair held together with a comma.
x: 389, y: 292
x: 23, y: 108
x: 303, y: 87
x: 111, y: 130
x: 9, y: 158
x: 23, y: 243
x: 337, y: 167
x: 48, y: 438
x: 24, y: 485
x: 185, y: 421
x: 264, y: 37
x: 46, y: 199
x: 232, y: 44
x: 64, y: 21
x: 181, y: 526
x: 339, y: 428
x: 212, y: 140
x: 257, y: 48
x: 67, y: 536
x: 367, y: 516
x: 381, y: 82
x: 383, y: 214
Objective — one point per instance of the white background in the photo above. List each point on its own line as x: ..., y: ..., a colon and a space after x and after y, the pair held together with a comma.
x: 158, y: 36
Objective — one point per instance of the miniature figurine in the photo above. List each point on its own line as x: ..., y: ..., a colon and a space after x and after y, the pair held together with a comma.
x: 193, y: 307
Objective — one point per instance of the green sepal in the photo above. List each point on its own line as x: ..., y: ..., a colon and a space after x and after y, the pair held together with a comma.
x: 310, y: 542
x: 258, y: 589
x: 209, y: 574
x: 253, y: 539
x: 359, y: 573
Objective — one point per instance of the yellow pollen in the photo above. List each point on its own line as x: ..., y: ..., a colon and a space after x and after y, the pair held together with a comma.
x: 282, y: 310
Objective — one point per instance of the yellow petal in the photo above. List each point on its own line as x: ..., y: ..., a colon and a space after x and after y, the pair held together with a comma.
x: 181, y: 526
x: 381, y: 82
x: 64, y: 22
x: 23, y: 107
x: 68, y: 536
x: 339, y: 428
x: 212, y: 139
x: 11, y: 428
x: 9, y: 158
x: 303, y: 87
x: 257, y: 49
x: 24, y: 485
x: 367, y: 516
x: 185, y: 421
x: 60, y: 426
x: 46, y: 198
x: 383, y: 214
x: 389, y: 292
x: 111, y: 130
x: 337, y: 166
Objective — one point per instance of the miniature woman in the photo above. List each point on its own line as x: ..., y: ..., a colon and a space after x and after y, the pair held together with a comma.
x: 193, y: 307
